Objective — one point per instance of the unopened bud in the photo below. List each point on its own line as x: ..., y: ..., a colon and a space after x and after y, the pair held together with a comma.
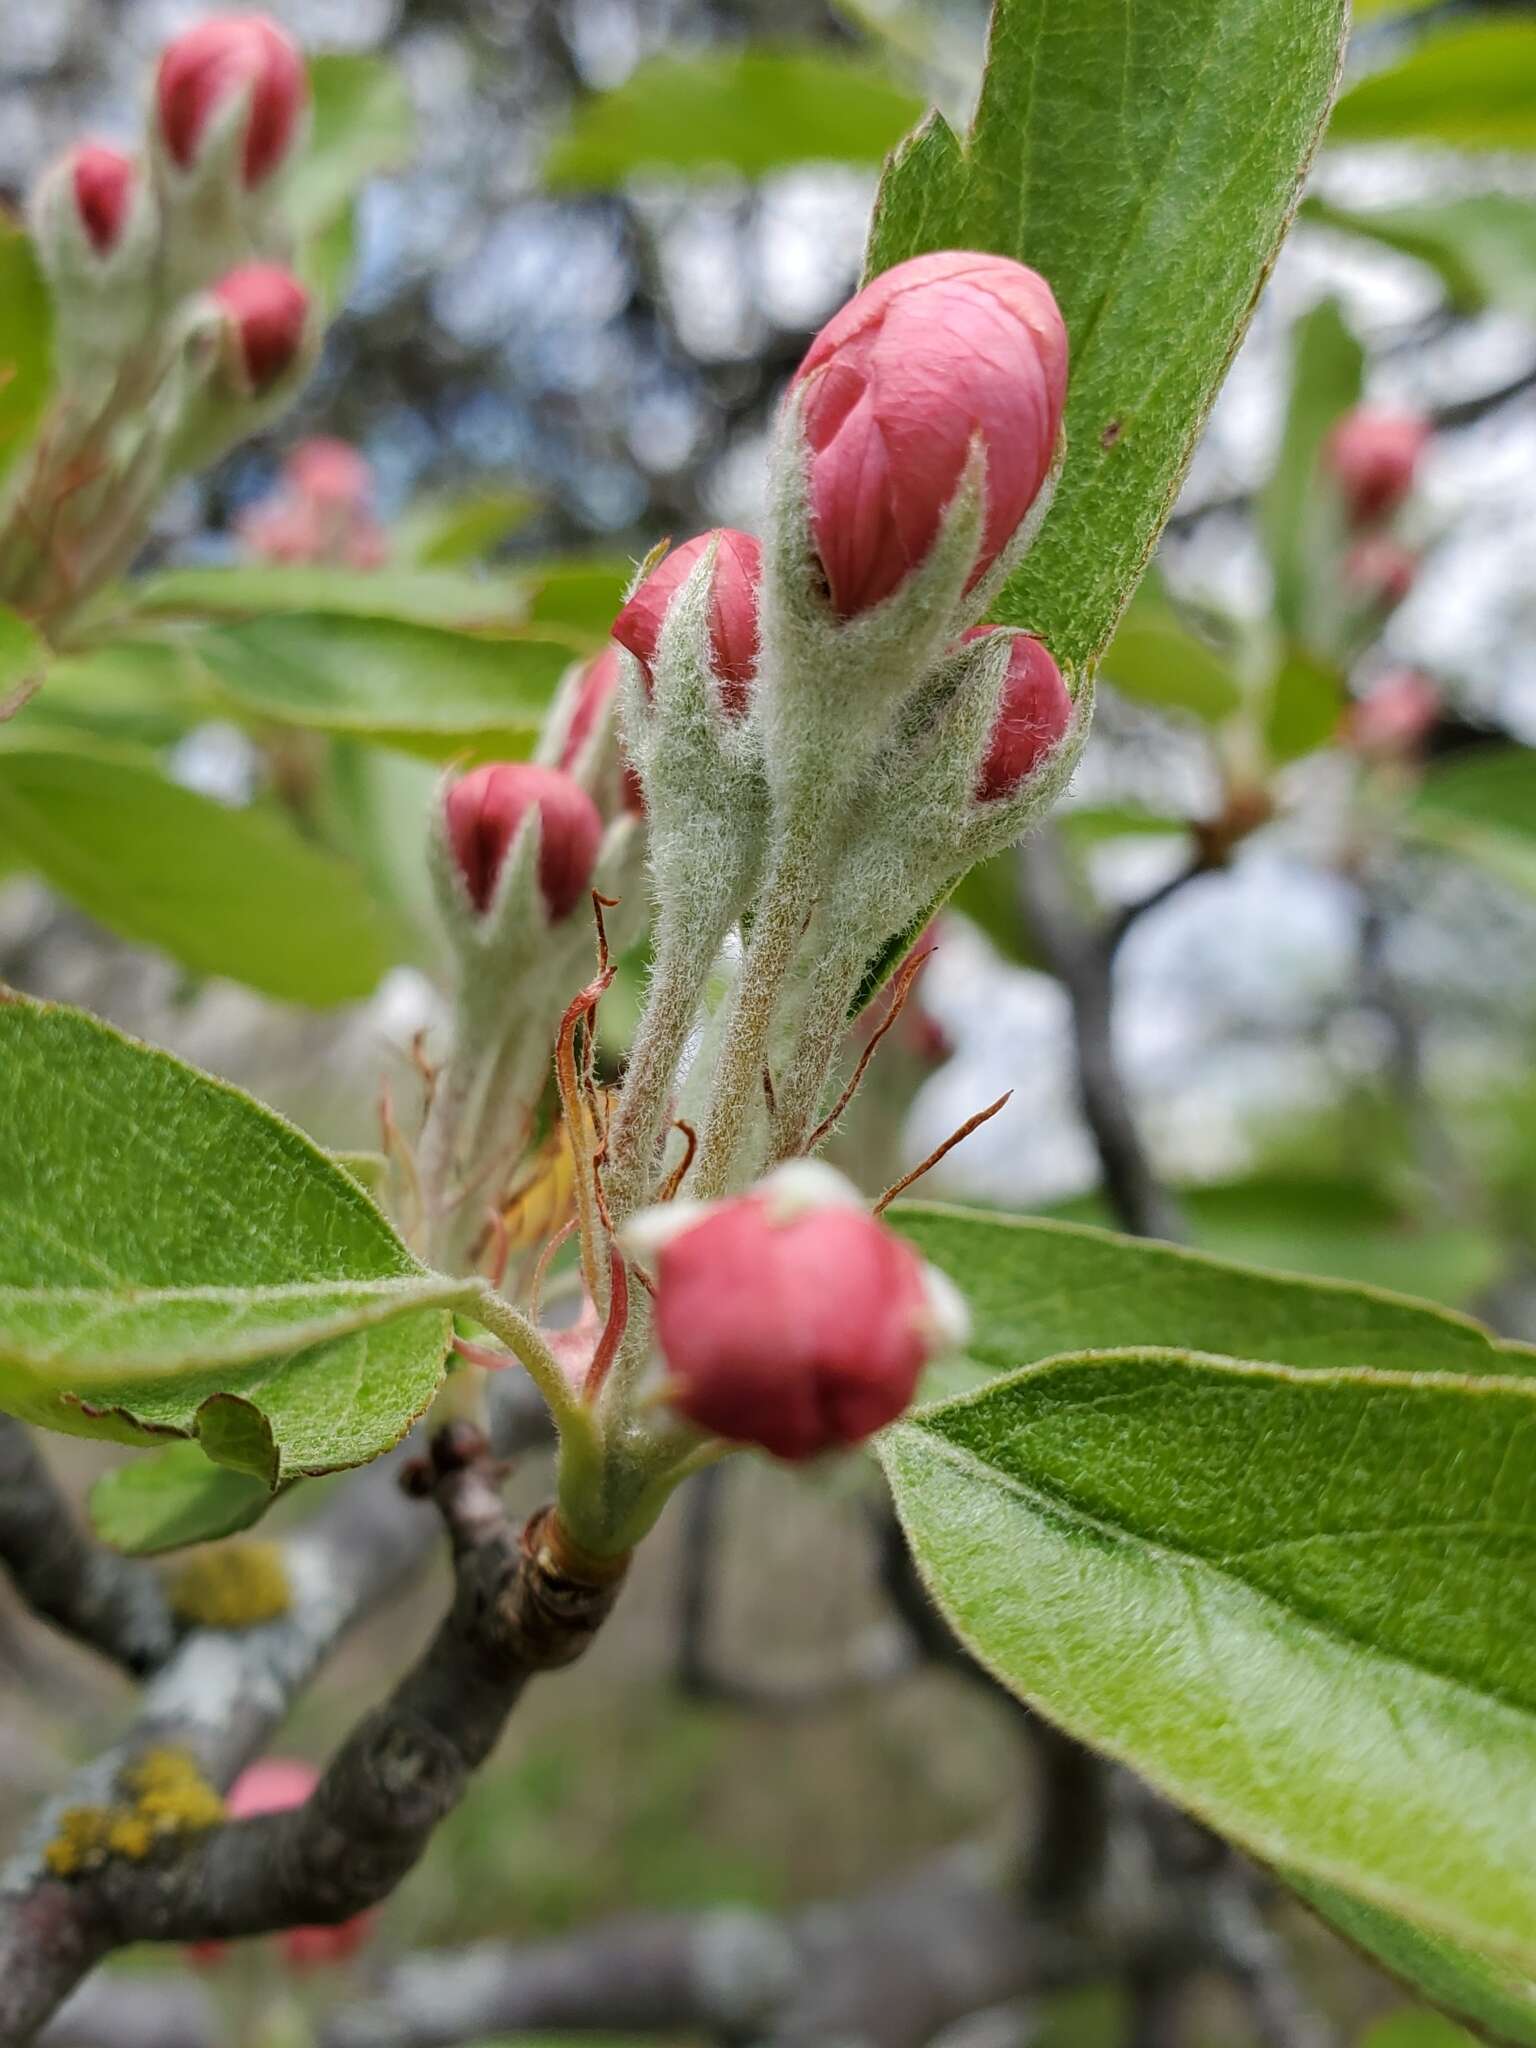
x: 1374, y: 457
x: 1033, y: 713
x: 595, y: 691
x: 1380, y: 571
x: 202, y: 72
x: 331, y: 473
x: 485, y: 809
x: 935, y: 355
x: 1394, y: 717
x: 104, y: 181
x: 791, y: 1318
x: 732, y: 609
x: 266, y: 312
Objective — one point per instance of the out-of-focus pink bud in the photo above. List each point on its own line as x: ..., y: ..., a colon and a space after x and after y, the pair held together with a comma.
x: 1374, y: 456
x: 484, y: 810
x: 791, y: 1318
x: 732, y: 610
x: 203, y: 68
x: 268, y: 310
x: 103, y: 180
x: 1380, y: 571
x: 599, y: 681
x: 274, y: 1785
x: 1033, y: 713
x: 1394, y: 717
x: 330, y: 472
x: 933, y: 355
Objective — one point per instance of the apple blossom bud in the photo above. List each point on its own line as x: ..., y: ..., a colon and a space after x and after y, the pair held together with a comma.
x: 1373, y: 455
x: 791, y: 1318
x: 266, y: 310
x: 276, y: 1785
x: 934, y: 355
x: 330, y: 472
x: 484, y: 810
x: 595, y: 690
x: 203, y: 69
x: 732, y: 610
x: 103, y: 186
x: 1394, y: 717
x: 1380, y: 571
x: 1033, y: 713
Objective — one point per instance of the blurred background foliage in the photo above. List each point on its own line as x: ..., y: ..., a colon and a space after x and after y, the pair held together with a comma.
x: 574, y: 248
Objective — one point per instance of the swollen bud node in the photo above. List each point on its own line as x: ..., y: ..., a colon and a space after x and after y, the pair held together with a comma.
x: 1033, y: 713
x: 938, y: 356
x: 202, y: 74
x: 792, y: 1319
x: 483, y: 811
x: 732, y: 610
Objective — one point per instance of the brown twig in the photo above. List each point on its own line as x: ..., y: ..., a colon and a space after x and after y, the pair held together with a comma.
x: 972, y: 1123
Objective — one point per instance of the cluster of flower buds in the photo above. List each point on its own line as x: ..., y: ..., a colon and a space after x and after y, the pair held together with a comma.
x: 1373, y: 457
x: 276, y: 1785
x: 180, y: 326
x: 790, y: 1318
x: 825, y: 737
x: 321, y: 510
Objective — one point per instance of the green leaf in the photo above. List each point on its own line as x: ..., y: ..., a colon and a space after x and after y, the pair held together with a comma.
x: 224, y: 891
x: 23, y: 663
x: 428, y: 597
x: 176, y: 1260
x: 1037, y: 1289
x: 369, y: 1169
x: 1303, y: 705
x: 1301, y: 1604
x: 1499, y: 2002
x: 1301, y: 523
x: 144, y: 693
x: 431, y: 692
x: 1473, y: 86
x: 172, y: 1497
x: 362, y: 127
x: 383, y: 803
x: 1482, y: 245
x: 749, y: 111
x: 1478, y: 806
x: 990, y: 897
x: 26, y: 343
x: 1152, y: 191
x: 580, y: 596
x: 460, y: 526
x: 1155, y: 659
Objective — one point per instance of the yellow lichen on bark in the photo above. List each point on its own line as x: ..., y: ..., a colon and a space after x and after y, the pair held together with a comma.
x: 236, y: 1586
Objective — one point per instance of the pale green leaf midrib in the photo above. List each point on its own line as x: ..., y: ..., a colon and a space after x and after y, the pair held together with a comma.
x: 1065, y: 1509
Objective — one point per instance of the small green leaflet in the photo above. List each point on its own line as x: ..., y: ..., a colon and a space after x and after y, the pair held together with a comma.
x: 163, y: 1500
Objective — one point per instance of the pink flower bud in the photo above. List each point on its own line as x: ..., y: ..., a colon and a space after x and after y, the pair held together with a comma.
x: 200, y: 71
x: 1374, y: 456
x: 1033, y: 713
x: 103, y: 181
x: 1394, y: 717
x: 484, y: 810
x: 330, y: 472
x: 732, y: 610
x: 934, y: 354
x: 267, y: 310
x: 797, y: 1325
x: 599, y: 680
x: 1380, y: 571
